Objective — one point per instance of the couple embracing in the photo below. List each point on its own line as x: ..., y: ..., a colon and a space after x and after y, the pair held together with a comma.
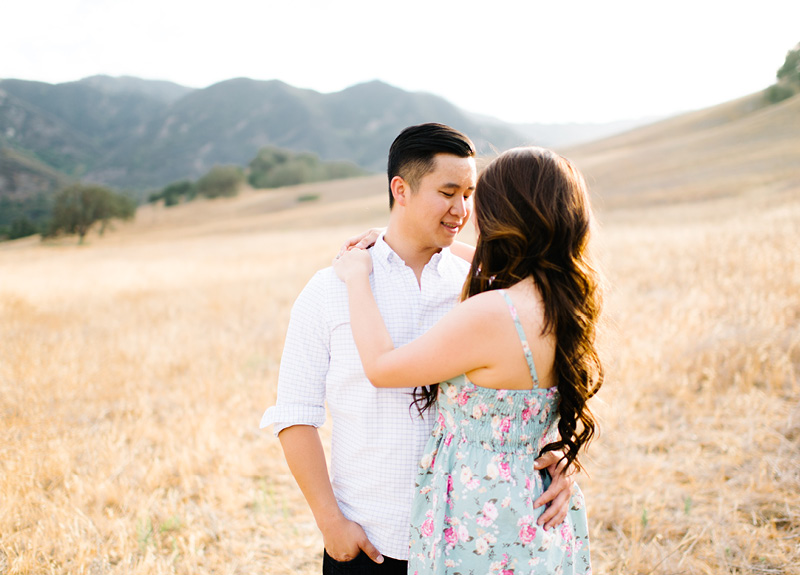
x: 456, y: 426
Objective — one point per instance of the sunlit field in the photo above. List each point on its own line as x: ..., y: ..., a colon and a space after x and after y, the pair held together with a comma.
x: 134, y: 371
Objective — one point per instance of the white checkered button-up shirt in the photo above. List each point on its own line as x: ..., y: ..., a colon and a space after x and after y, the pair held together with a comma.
x: 377, y: 436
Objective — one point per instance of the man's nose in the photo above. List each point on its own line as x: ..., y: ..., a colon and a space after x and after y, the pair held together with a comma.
x: 459, y: 207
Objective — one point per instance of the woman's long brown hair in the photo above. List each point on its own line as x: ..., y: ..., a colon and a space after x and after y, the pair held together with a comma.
x: 534, y: 219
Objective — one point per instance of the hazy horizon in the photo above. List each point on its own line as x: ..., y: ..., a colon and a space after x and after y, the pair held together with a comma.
x: 521, y: 62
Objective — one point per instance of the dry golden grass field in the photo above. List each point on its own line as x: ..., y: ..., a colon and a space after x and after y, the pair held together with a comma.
x: 134, y: 369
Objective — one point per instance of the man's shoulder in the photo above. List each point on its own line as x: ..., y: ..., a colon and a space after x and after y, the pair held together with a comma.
x: 455, y: 264
x: 323, y: 277
x: 320, y: 287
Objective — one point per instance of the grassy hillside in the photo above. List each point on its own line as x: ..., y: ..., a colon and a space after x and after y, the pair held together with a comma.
x: 133, y: 447
x: 741, y: 147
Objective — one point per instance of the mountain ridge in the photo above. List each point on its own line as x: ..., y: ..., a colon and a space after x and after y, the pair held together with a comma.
x: 142, y: 134
x: 127, y: 133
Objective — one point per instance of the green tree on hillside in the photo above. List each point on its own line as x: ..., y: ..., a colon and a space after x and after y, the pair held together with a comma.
x: 80, y: 206
x: 275, y: 167
x: 173, y: 193
x: 22, y: 228
x: 790, y: 71
x: 788, y: 77
x: 267, y: 159
x: 221, y: 181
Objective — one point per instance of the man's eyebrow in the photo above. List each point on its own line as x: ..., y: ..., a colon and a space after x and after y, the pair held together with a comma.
x: 454, y: 185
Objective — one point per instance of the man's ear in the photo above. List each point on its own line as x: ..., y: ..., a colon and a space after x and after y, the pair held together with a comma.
x: 400, y: 190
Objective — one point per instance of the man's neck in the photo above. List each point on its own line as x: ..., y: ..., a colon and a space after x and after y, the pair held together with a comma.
x: 415, y: 256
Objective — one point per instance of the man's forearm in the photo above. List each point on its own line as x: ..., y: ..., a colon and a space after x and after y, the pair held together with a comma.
x: 303, y: 451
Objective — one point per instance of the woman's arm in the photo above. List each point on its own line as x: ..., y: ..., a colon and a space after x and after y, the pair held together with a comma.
x: 450, y: 348
x: 462, y: 250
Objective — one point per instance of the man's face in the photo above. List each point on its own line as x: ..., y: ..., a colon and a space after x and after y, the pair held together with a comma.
x: 442, y: 202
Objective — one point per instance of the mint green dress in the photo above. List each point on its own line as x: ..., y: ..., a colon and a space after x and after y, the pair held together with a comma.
x: 473, y: 506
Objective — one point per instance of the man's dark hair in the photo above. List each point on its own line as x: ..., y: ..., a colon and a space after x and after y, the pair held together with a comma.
x: 412, y: 153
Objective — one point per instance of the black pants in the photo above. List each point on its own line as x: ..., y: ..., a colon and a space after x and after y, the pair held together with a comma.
x: 363, y: 565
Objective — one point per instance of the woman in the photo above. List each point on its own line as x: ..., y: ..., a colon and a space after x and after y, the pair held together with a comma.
x: 517, y: 362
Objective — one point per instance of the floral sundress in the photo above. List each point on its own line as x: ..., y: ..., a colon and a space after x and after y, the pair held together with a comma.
x: 473, y: 506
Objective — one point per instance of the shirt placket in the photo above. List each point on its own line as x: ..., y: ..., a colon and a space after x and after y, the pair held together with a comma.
x: 424, y: 321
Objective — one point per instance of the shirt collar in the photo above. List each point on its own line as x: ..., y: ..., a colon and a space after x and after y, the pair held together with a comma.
x: 385, y: 256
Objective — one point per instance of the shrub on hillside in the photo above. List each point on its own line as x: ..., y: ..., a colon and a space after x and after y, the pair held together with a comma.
x: 779, y: 92
x: 22, y: 228
x: 267, y: 159
x: 275, y: 167
x: 78, y: 207
x: 175, y: 193
x: 19, y: 214
x: 222, y: 181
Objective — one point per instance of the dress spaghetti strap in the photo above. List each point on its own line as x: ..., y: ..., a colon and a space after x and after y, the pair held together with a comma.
x: 521, y: 332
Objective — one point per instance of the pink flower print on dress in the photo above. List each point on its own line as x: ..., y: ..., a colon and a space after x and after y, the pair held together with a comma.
x: 427, y: 528
x: 489, y: 514
x: 527, y: 533
x: 566, y: 531
x: 481, y: 546
x: 499, y: 566
x: 448, y: 439
x: 451, y: 537
x: 545, y: 413
x: 576, y: 546
x: 462, y: 398
x: 505, y: 471
x: 426, y: 461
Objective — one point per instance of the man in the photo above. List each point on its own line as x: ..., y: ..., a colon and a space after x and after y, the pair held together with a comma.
x: 363, y: 510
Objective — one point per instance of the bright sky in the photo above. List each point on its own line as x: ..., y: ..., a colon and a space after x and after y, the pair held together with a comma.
x: 517, y: 60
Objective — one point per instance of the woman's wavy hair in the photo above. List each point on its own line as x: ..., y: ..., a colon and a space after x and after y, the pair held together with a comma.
x: 534, y: 219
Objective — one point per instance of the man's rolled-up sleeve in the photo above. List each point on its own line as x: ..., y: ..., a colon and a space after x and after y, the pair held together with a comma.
x: 304, y: 363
